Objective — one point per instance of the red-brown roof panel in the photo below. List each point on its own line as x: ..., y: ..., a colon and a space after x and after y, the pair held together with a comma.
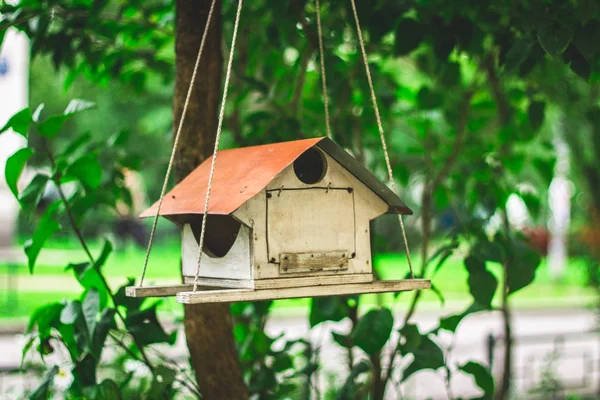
x: 239, y: 175
x: 242, y: 173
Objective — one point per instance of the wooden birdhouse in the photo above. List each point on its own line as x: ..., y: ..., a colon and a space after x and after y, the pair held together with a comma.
x: 284, y: 220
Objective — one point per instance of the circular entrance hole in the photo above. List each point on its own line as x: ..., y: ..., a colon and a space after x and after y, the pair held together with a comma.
x: 311, y: 166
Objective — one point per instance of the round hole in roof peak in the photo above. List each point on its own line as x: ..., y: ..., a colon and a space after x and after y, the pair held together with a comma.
x: 311, y: 166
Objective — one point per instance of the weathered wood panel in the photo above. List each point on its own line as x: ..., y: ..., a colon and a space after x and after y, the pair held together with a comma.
x: 294, y: 263
x: 309, y: 220
x: 301, y: 281
x: 233, y: 295
x: 236, y: 264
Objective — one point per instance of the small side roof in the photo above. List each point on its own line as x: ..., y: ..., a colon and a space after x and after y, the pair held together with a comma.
x: 242, y: 173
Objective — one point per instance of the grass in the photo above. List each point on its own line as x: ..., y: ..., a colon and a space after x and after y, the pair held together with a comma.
x: 21, y: 293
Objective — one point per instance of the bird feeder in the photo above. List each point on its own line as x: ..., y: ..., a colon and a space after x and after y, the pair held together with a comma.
x: 285, y: 220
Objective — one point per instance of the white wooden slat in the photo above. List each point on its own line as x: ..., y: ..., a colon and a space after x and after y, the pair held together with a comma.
x: 312, y: 281
x: 233, y: 295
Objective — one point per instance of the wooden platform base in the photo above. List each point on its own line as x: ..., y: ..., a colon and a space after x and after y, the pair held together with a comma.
x: 232, y: 295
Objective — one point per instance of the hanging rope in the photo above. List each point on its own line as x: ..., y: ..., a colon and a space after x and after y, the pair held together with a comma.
x: 217, y: 140
x: 177, y: 136
x: 323, y: 75
x: 380, y: 127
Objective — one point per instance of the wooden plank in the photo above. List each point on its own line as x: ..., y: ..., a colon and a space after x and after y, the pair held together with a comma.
x: 156, y: 291
x: 221, y: 282
x: 233, y: 295
x: 294, y: 263
x: 312, y: 281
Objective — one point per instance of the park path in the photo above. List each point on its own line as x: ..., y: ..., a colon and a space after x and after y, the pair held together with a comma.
x: 538, y: 335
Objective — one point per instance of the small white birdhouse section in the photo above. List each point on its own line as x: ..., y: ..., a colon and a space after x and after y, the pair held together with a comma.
x: 284, y: 220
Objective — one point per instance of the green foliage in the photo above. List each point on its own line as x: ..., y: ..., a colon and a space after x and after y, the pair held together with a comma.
x: 19, y: 122
x: 373, y: 330
x: 466, y: 94
x: 14, y: 168
x: 483, y: 377
x: 83, y: 327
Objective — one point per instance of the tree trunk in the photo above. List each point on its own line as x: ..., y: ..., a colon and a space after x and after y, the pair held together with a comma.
x: 208, y: 328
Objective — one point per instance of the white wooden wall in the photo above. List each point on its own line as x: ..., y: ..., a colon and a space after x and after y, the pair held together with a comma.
x: 367, y: 206
x: 236, y: 264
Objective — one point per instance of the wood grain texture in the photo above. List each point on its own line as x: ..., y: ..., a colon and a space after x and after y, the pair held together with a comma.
x: 232, y: 295
x: 156, y: 291
x: 307, y: 263
x: 310, y: 220
x: 300, y: 281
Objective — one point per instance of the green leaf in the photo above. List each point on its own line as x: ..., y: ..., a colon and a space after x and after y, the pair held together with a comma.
x: 578, y: 63
x: 484, y: 250
x: 86, y: 170
x: 106, y: 250
x: 52, y: 125
x: 408, y: 35
x: 283, y: 362
x: 350, y: 388
x: 451, y: 322
x: 108, y: 390
x: 586, y: 39
x: 90, y: 309
x: 412, y: 339
x: 263, y: 381
x: 30, y: 341
x: 43, y: 391
x: 14, y: 168
x: 429, y: 99
x: 130, y: 303
x: 71, y: 312
x: 145, y: 326
x: 535, y: 112
x: 104, y: 325
x: 76, y: 106
x: 163, y: 379
x: 439, y: 294
x: 522, y: 266
x: 373, y: 330
x: 19, y: 122
x: 330, y: 308
x: 518, y: 53
x: 32, y: 194
x: 46, y: 228
x: 90, y: 278
x: 342, y: 340
x: 75, y: 145
x: 483, y: 377
x: 427, y: 356
x: 38, y: 112
x: 554, y: 37
x: 45, y: 318
x: 482, y: 283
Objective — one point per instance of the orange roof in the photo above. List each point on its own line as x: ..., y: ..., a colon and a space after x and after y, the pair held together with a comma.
x: 242, y: 173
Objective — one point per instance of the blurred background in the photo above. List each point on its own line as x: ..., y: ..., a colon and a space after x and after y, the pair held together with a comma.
x: 536, y: 121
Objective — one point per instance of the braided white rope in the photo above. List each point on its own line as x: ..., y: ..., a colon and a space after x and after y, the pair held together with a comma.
x: 380, y: 126
x: 177, y: 136
x: 323, y: 75
x: 217, y: 139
